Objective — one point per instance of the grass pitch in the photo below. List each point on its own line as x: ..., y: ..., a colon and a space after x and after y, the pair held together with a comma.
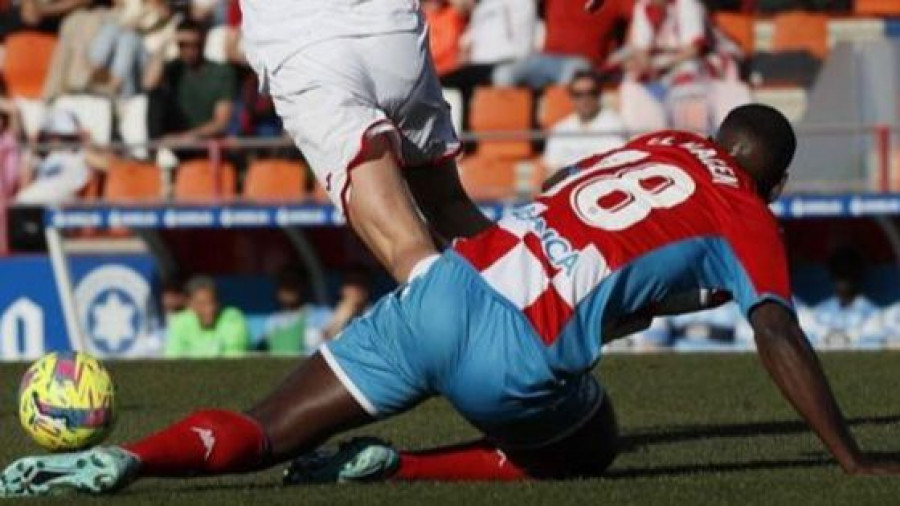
x: 697, y: 429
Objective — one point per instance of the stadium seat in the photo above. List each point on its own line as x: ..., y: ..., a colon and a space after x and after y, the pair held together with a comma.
x: 95, y: 114
x: 554, y: 106
x: 501, y: 110
x: 27, y: 62
x: 876, y: 7
x: 275, y: 181
x: 738, y: 27
x: 132, y: 181
x: 489, y: 178
x: 201, y: 180
x: 797, y: 30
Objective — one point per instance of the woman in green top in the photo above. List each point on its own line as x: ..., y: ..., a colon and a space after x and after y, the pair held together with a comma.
x: 205, y: 329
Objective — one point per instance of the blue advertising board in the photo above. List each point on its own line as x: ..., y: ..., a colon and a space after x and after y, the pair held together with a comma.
x: 113, y: 297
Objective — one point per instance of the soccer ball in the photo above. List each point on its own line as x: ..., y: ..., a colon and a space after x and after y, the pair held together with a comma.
x: 66, y: 401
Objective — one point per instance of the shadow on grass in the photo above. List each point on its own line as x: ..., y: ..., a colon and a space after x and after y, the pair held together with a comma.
x: 637, y: 439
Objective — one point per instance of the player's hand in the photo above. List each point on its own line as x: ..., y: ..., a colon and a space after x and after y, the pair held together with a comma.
x: 593, y: 5
x: 868, y: 467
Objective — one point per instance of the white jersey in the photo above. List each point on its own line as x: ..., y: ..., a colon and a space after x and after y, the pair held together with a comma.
x: 280, y: 28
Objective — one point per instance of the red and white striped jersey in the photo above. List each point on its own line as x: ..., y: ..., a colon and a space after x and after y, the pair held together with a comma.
x: 628, y: 232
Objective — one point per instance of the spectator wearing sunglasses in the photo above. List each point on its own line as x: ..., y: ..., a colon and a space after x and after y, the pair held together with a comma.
x: 191, y: 97
x: 589, y: 129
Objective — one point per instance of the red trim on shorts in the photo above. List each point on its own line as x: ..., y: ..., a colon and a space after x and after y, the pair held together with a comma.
x: 357, y: 160
x: 449, y: 155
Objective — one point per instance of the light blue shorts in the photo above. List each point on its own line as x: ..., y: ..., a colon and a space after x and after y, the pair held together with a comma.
x: 448, y: 333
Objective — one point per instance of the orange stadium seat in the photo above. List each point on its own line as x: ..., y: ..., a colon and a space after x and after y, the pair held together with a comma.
x: 27, y: 62
x: 276, y: 181
x: 555, y: 105
x: 799, y: 30
x: 501, y: 110
x: 877, y: 7
x: 487, y: 178
x: 738, y: 27
x: 131, y: 181
x: 201, y: 180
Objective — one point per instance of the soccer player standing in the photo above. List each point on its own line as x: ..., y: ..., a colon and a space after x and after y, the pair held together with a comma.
x: 356, y: 88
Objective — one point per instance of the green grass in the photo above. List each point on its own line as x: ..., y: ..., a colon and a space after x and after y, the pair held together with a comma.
x: 698, y: 429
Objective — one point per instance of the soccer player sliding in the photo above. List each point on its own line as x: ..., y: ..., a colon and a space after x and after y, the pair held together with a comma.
x: 508, y: 325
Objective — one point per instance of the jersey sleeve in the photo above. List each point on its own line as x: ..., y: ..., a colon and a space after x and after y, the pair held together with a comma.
x: 759, y: 270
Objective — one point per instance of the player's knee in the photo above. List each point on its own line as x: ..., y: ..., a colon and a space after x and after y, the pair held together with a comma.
x: 233, y: 442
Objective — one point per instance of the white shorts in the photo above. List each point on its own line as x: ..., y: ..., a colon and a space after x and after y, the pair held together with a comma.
x: 336, y: 94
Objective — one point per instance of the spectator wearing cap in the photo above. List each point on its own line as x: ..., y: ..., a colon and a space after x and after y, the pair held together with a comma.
x: 206, y: 329
x: 63, y: 165
x: 588, y: 130
x: 191, y: 97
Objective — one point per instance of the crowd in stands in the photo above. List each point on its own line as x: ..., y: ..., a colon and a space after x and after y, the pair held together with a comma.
x: 173, y: 71
x: 196, y: 324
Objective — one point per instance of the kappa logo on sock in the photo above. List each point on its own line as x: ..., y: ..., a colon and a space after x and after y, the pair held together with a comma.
x: 207, y: 438
x: 503, y: 458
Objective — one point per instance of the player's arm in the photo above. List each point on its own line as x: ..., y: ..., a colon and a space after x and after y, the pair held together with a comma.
x: 792, y: 364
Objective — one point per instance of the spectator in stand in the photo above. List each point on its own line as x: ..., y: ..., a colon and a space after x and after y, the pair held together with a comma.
x: 10, y: 137
x: 848, y: 317
x: 499, y: 33
x: 117, y: 54
x: 679, y: 71
x: 353, y: 302
x: 66, y: 166
x: 70, y: 69
x: 445, y: 27
x: 575, y: 40
x: 191, y: 97
x: 47, y: 15
x: 602, y: 128
x: 206, y: 329
x: 254, y: 114
x: 286, y: 331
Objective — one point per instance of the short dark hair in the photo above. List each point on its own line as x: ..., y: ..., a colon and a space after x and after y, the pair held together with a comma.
x: 189, y: 25
x: 290, y: 278
x: 197, y: 283
x: 586, y: 74
x: 762, y: 141
x: 846, y: 263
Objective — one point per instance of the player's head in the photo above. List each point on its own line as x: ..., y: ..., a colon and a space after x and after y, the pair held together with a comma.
x: 762, y: 141
x: 203, y: 299
x: 584, y: 90
x: 289, y: 289
x: 846, y: 268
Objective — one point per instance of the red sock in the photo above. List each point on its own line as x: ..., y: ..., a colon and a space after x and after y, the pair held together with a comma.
x: 206, y: 442
x: 478, y: 461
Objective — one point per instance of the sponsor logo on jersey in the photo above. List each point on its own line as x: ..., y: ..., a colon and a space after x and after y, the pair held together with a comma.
x: 556, y: 248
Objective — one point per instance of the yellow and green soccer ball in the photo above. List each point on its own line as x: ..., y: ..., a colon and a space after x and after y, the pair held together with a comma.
x: 66, y: 401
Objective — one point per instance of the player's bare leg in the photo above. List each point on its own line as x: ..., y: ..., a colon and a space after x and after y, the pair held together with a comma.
x: 445, y: 204
x: 382, y: 212
x: 309, y: 406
